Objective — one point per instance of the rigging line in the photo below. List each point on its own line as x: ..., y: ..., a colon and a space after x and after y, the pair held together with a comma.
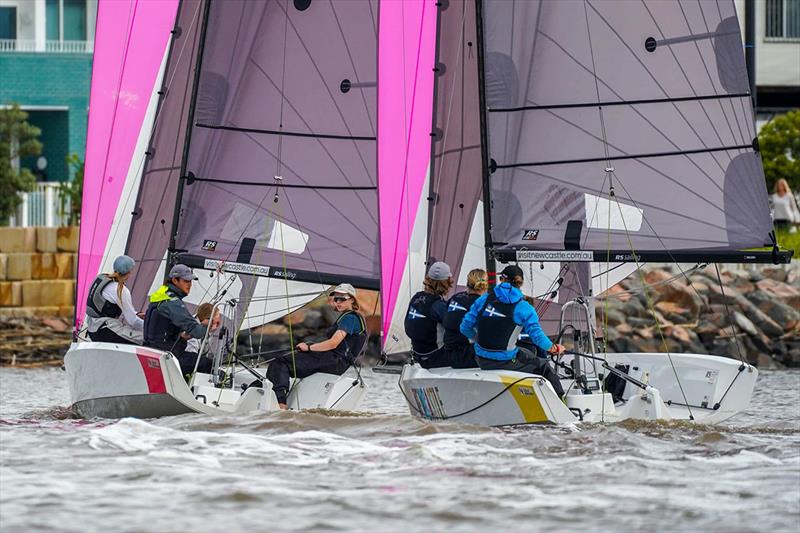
x: 287, y: 185
x: 655, y: 80
x: 597, y: 88
x: 626, y: 157
x: 634, y: 109
x: 683, y: 71
x: 460, y: 149
x: 437, y: 183
x: 374, y: 22
x: 327, y: 88
x: 653, y: 312
x: 281, y: 133
x: 353, y: 64
x: 322, y: 145
x: 703, y: 59
x: 630, y: 292
x: 615, y: 103
x: 730, y: 316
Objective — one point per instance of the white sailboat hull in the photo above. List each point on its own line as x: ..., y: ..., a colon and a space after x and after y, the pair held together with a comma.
x: 110, y: 380
x: 715, y: 389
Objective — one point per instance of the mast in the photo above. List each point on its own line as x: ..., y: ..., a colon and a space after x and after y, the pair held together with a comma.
x: 188, y: 136
x: 485, y: 171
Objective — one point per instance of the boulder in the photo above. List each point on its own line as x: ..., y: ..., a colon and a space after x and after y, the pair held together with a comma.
x: 10, y: 293
x: 44, y: 266
x: 17, y: 240
x: 67, y: 239
x: 759, y: 318
x: 613, y: 318
x: 674, y: 312
x: 783, y: 314
x: 19, y: 266
x: 3, y: 266
x: 786, y: 293
x: 46, y: 239
x: 777, y: 273
x: 744, y: 324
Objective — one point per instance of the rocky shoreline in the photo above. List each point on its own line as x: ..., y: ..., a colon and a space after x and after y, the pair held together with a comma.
x: 755, y: 316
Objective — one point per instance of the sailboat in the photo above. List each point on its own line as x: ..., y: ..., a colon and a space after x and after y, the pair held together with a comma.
x: 580, y: 140
x: 241, y: 139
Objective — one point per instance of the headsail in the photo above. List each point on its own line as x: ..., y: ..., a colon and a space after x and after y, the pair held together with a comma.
x: 130, y: 45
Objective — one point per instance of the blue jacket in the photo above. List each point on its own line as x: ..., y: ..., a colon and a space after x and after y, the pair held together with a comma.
x: 524, y: 315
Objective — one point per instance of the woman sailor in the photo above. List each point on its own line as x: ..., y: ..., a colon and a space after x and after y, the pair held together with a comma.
x: 494, y: 322
x: 346, y: 338
x: 458, y: 350
x: 426, y: 311
x: 110, y: 311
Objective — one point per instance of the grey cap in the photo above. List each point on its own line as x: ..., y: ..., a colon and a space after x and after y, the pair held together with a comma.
x: 182, y: 272
x: 123, y: 264
x: 439, y: 271
x: 343, y: 288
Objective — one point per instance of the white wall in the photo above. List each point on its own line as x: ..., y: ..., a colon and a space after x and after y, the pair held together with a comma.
x: 26, y: 18
x: 777, y: 62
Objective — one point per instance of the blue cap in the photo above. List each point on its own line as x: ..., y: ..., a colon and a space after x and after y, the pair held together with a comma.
x: 123, y: 264
x: 181, y: 272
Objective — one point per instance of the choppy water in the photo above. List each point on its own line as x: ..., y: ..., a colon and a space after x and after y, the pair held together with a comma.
x: 383, y: 470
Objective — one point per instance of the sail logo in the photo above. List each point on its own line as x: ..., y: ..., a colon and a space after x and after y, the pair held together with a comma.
x: 491, y: 312
x: 455, y: 307
x: 554, y: 255
x: 530, y: 234
x: 284, y: 274
x: 413, y: 313
x: 627, y: 257
x: 209, y: 245
x: 239, y: 268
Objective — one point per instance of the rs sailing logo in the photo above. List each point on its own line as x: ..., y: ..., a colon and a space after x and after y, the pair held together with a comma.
x: 490, y: 311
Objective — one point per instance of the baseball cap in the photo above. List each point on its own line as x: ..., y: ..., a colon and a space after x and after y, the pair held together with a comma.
x: 182, y: 272
x: 343, y: 288
x: 123, y: 264
x: 439, y: 271
x: 512, y: 271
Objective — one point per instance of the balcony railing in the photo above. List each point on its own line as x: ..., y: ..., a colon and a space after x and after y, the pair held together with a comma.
x: 52, y: 47
x: 42, y: 207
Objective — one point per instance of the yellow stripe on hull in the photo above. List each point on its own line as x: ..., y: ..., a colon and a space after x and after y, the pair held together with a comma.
x: 527, y: 399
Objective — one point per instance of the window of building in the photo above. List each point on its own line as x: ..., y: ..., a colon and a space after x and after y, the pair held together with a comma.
x: 65, y: 20
x: 8, y: 22
x: 783, y: 19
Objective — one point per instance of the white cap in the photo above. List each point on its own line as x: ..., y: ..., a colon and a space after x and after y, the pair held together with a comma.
x: 343, y: 288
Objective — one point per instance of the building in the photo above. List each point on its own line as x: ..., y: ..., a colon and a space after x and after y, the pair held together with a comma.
x: 45, y: 67
x: 777, y: 56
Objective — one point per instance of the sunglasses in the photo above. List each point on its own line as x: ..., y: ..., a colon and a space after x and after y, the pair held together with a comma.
x: 340, y: 299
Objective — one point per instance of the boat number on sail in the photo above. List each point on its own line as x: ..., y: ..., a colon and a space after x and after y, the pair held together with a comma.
x: 554, y: 255
x: 530, y: 234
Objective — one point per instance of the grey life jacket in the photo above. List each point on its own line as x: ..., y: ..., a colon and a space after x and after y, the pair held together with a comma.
x: 96, y: 305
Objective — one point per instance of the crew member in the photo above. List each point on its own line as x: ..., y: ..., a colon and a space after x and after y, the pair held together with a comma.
x: 458, y: 350
x: 494, y: 322
x: 109, y: 308
x: 167, y: 316
x: 423, y: 323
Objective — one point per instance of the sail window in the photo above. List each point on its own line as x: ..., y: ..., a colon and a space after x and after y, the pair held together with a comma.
x: 293, y: 240
x: 604, y: 213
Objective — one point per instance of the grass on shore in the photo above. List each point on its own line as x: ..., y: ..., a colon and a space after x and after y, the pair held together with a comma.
x: 789, y: 241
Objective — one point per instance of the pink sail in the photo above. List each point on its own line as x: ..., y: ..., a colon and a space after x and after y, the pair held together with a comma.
x: 130, y: 42
x: 405, y: 104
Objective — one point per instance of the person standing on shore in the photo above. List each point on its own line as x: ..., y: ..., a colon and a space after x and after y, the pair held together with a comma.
x: 109, y: 307
x: 784, y: 206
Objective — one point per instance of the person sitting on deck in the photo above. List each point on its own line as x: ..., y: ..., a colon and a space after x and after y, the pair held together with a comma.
x: 189, y: 358
x: 110, y: 311
x: 167, y: 317
x: 346, y: 338
x: 458, y: 350
x: 426, y: 311
x: 494, y: 322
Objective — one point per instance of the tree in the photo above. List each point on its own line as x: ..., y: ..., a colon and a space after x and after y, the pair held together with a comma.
x: 779, y: 141
x: 17, y: 139
x: 73, y: 190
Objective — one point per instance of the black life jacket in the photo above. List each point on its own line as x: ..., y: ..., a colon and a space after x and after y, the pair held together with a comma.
x: 457, y: 307
x: 496, y: 327
x: 420, y: 325
x: 159, y: 331
x: 96, y: 304
x: 353, y: 343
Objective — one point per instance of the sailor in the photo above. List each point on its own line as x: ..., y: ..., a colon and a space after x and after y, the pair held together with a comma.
x: 346, y: 338
x: 189, y: 359
x: 110, y: 311
x: 457, y: 347
x: 167, y: 317
x: 423, y: 322
x: 494, y: 322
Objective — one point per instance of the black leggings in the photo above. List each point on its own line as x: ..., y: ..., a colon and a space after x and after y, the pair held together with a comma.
x: 303, y: 365
x: 526, y: 362
x: 103, y: 334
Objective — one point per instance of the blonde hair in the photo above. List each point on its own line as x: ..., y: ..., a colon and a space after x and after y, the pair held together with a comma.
x: 439, y: 287
x: 204, y: 311
x: 120, y: 279
x: 785, y: 184
x: 477, y: 280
